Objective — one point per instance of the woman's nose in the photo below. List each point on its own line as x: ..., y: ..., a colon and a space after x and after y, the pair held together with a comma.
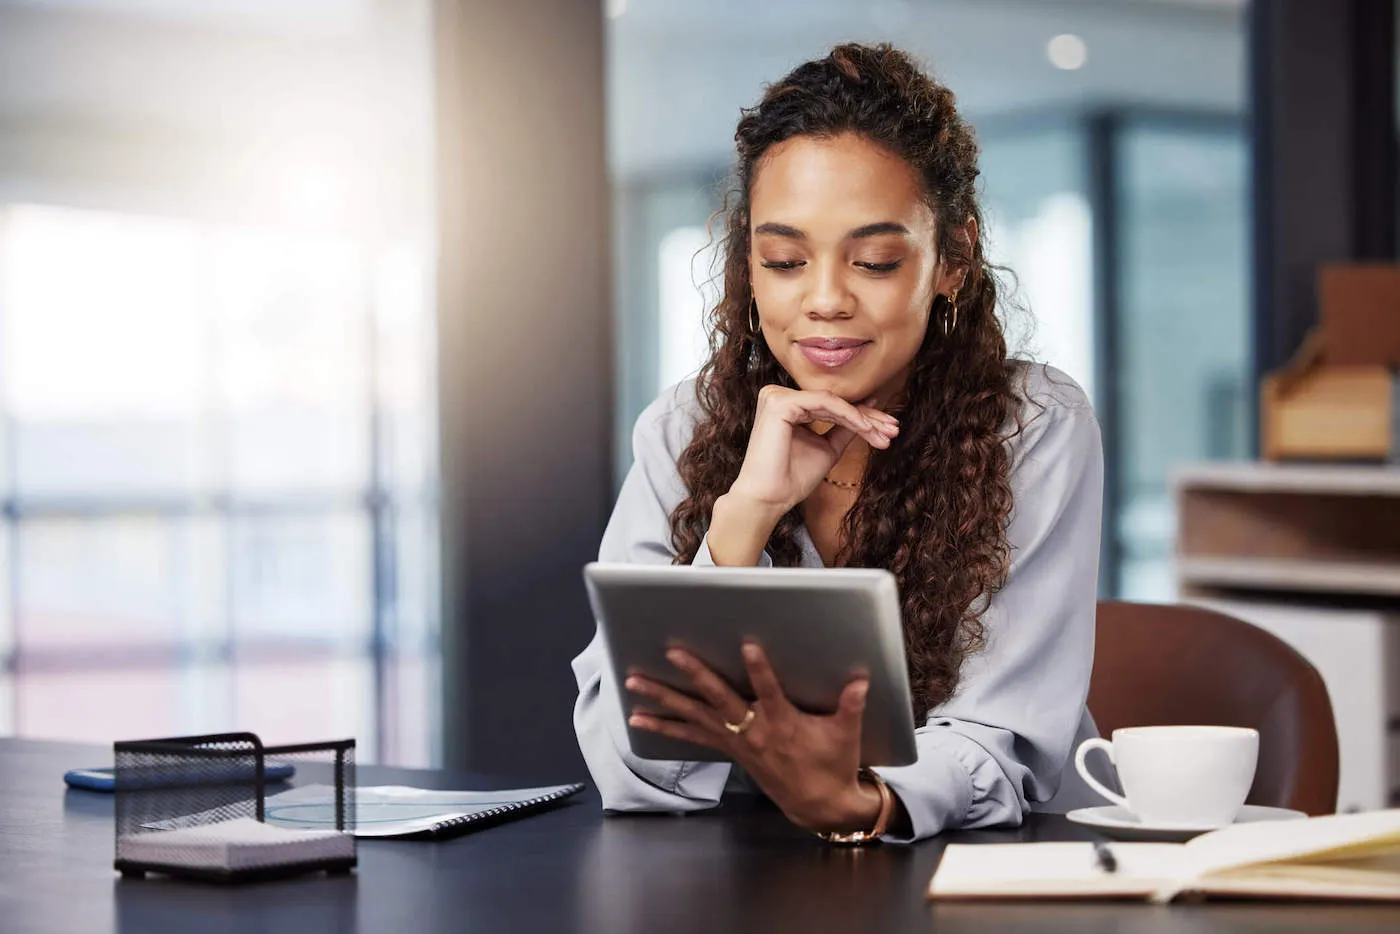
x: 829, y: 297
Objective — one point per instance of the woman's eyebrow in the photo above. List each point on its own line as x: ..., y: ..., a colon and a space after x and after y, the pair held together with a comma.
x: 869, y: 230
x: 874, y: 230
x: 780, y: 230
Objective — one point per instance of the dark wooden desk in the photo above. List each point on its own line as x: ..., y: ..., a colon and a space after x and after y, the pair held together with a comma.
x: 743, y: 868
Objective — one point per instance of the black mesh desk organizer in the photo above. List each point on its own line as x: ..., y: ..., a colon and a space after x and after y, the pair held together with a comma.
x: 210, y: 788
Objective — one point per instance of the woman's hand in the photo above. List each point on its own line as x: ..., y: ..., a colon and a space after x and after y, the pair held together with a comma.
x: 806, y: 764
x: 786, y: 459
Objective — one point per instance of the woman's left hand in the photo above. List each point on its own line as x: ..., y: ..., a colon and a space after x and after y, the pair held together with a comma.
x: 807, y: 764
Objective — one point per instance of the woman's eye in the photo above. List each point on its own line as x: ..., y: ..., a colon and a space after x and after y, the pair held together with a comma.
x: 782, y: 264
x: 880, y: 267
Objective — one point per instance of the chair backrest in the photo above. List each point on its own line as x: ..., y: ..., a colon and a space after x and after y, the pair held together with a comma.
x: 1164, y: 664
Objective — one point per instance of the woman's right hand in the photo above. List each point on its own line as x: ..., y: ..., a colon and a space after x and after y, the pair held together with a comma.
x: 786, y: 459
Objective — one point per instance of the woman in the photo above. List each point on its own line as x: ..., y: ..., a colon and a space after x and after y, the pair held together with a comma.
x: 859, y: 408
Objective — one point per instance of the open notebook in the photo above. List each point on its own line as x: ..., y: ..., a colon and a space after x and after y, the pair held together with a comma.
x: 1350, y: 856
x: 399, y: 811
x: 383, y: 811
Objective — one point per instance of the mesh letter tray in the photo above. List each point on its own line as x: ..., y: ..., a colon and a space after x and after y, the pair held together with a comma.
x: 196, y: 806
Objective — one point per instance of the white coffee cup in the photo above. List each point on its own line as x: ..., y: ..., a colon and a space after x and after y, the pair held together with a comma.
x: 1178, y: 776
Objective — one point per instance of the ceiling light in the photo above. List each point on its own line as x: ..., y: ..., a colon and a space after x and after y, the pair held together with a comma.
x: 1067, y: 51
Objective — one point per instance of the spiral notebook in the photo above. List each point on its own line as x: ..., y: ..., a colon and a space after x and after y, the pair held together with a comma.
x: 399, y: 811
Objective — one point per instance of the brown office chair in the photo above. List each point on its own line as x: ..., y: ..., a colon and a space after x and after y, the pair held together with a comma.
x: 1188, y: 665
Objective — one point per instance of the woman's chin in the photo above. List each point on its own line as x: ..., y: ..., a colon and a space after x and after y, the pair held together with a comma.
x: 847, y: 387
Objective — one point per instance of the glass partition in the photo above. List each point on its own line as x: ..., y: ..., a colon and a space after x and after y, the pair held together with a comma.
x: 1182, y: 360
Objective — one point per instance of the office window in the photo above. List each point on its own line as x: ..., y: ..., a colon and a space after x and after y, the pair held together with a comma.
x: 1039, y: 225
x: 663, y: 261
x: 1183, y: 351
x: 217, y: 409
x: 217, y: 486
x: 689, y: 276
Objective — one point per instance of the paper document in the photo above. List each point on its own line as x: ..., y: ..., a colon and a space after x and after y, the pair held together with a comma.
x: 396, y: 810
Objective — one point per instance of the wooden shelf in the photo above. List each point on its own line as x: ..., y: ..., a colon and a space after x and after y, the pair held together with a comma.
x: 1311, y: 553
x: 1312, y: 479
x: 1329, y: 529
x: 1381, y: 578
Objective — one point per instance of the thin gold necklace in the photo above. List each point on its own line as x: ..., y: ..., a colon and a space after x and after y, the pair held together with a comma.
x: 847, y: 484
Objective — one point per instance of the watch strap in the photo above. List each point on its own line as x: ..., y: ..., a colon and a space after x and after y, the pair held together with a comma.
x: 861, y: 837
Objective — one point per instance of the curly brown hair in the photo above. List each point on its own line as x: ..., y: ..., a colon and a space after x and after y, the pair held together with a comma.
x: 934, y: 506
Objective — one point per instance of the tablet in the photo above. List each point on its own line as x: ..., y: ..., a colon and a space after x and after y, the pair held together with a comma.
x: 820, y: 627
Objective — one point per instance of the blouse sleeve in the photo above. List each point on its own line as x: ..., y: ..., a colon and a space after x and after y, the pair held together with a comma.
x: 639, y: 532
x: 1001, y: 742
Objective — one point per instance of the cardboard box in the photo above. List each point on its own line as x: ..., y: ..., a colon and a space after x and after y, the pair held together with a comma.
x: 1360, y: 314
x: 1328, y: 413
x: 1338, y: 398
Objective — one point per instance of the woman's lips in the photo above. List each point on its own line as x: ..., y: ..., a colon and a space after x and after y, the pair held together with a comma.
x: 831, y: 352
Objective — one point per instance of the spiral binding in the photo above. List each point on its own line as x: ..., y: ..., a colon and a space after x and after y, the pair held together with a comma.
x: 503, y: 810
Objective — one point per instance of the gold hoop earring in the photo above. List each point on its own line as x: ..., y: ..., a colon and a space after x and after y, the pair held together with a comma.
x: 951, y: 313
x: 753, y: 316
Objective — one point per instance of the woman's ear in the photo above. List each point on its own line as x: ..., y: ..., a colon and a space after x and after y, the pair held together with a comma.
x: 954, y: 277
x: 968, y: 234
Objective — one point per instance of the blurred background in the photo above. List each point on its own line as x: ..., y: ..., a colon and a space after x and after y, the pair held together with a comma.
x: 1131, y: 110
x: 324, y: 323
x: 216, y: 370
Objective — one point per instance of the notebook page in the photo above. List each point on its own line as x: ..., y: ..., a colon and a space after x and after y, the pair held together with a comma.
x: 1366, y: 879
x: 1053, y: 869
x: 1244, y: 845
x: 1273, y: 841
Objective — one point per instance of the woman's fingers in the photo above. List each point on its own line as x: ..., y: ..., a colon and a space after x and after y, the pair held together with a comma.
x: 711, y: 686
x: 886, y: 423
x: 801, y: 407
x: 876, y: 433
x: 676, y: 730
x: 850, y: 710
x: 674, y: 701
x: 882, y: 421
x: 868, y: 408
x: 843, y: 413
x: 765, y: 681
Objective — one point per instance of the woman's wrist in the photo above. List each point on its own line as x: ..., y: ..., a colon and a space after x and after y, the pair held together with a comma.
x: 855, y: 809
x: 739, y: 530
x: 862, y: 808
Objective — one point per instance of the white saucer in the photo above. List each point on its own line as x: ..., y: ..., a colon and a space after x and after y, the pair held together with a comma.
x: 1119, y: 824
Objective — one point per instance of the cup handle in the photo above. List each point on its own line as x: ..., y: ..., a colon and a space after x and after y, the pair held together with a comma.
x: 1080, y: 754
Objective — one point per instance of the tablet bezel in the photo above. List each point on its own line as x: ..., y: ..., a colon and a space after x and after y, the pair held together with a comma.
x: 820, y: 627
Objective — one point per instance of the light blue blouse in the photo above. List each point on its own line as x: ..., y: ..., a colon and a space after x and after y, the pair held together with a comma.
x: 1000, y: 745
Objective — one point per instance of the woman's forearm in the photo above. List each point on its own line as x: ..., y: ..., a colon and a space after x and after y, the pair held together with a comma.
x: 739, y: 531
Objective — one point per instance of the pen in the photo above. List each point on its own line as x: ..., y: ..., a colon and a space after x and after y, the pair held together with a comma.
x: 1105, y: 856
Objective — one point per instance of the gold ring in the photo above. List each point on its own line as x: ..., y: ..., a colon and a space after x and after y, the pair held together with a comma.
x: 743, y: 725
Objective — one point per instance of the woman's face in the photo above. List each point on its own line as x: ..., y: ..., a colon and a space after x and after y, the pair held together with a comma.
x: 843, y: 264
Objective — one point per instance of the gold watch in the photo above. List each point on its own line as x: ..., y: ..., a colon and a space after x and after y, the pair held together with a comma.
x: 861, y: 837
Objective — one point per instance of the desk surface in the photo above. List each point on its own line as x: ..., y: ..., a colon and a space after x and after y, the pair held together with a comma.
x: 742, y: 868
